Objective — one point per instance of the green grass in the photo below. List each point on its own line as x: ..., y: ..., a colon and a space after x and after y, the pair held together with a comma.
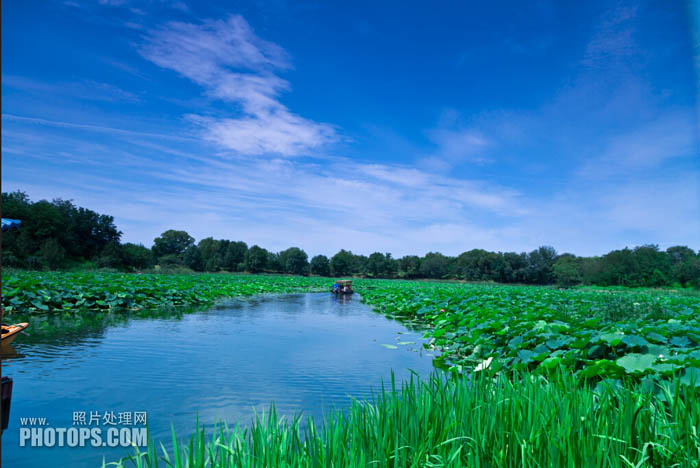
x: 524, y: 421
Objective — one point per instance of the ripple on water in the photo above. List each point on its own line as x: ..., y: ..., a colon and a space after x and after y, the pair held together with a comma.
x: 306, y: 353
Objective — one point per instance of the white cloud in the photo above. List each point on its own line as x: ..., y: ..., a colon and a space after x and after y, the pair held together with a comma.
x: 231, y: 63
x: 670, y: 136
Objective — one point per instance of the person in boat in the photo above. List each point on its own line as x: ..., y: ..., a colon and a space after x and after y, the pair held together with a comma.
x: 336, y: 288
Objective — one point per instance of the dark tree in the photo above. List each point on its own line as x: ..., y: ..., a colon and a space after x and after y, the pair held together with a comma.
x: 192, y: 258
x: 52, y: 253
x: 295, y: 261
x: 172, y: 242
x: 256, y: 259
x: 342, y: 263
x: 320, y: 266
x: 540, y: 268
x: 567, y: 270
x: 274, y: 263
x: 137, y: 256
x: 112, y: 256
x: 409, y: 266
x: 434, y: 265
x: 235, y: 254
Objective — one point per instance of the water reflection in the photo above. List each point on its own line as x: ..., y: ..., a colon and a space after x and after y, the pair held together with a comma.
x: 8, y: 352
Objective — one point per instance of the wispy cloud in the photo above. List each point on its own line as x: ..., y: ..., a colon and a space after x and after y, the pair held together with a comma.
x: 231, y: 63
x: 456, y: 143
x: 98, y: 128
x: 671, y: 136
x: 613, y: 40
x: 82, y: 89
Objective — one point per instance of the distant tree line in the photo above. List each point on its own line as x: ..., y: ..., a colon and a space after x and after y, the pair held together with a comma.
x: 57, y: 234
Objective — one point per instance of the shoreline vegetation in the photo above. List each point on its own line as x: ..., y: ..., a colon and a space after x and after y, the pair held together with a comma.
x: 599, y: 333
x: 520, y: 420
x: 536, y: 376
x: 58, y: 235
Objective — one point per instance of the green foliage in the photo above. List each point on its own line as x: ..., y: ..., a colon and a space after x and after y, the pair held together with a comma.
x: 381, y: 265
x: 171, y: 242
x: 320, y: 265
x: 256, y: 259
x: 342, y: 263
x: 273, y: 263
x: 521, y: 421
x: 52, y: 253
x: 171, y: 261
x: 567, y: 271
x: 294, y: 261
x: 193, y: 258
x: 137, y: 256
x: 235, y: 255
x: 80, y: 233
x: 540, y: 268
x: 27, y: 293
x: 409, y: 266
x: 434, y: 265
x: 528, y: 328
x: 111, y: 256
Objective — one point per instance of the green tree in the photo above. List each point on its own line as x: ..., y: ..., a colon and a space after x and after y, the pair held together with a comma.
x: 192, y: 258
x: 52, y: 253
x: 652, y: 266
x: 235, y: 254
x: 137, y: 256
x: 342, y: 263
x: 381, y: 265
x: 375, y: 265
x: 172, y: 242
x: 111, y: 256
x: 687, y: 272
x: 214, y: 263
x: 208, y: 248
x: 540, y: 267
x: 680, y: 253
x: 295, y: 261
x: 171, y: 261
x: 515, y: 268
x: 434, y: 265
x: 256, y: 259
x: 359, y: 265
x: 320, y: 265
x: 567, y: 271
x: 274, y: 263
x: 409, y: 266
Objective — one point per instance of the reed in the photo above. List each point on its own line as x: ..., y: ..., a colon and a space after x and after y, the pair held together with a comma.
x: 522, y: 420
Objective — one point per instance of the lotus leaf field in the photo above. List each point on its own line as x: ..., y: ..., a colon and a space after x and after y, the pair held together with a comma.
x: 599, y: 333
x: 594, y: 333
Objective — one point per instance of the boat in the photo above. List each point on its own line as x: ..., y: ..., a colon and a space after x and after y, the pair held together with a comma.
x: 343, y: 287
x: 10, y: 332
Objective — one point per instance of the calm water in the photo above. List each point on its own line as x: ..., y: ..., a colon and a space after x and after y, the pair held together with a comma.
x: 306, y: 352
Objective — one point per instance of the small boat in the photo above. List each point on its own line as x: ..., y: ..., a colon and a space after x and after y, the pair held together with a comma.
x: 10, y: 332
x: 342, y: 287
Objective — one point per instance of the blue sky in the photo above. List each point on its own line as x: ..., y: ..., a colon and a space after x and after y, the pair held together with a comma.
x: 404, y: 127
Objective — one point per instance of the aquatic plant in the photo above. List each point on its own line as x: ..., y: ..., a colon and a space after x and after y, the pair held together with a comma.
x: 597, y: 333
x: 41, y: 292
x: 522, y: 421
